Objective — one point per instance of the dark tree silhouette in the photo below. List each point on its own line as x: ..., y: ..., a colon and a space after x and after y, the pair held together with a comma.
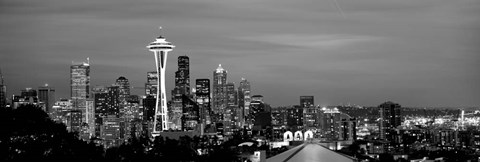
x: 29, y: 134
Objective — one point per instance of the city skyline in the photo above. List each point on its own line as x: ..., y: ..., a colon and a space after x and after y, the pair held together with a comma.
x: 415, y: 53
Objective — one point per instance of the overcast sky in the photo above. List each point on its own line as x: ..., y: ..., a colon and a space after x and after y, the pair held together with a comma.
x: 413, y: 52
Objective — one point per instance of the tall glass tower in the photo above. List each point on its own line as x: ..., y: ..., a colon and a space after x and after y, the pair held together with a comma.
x: 3, y: 92
x: 80, y: 86
x: 46, y: 95
x: 124, y: 87
x: 202, y: 93
x: 160, y: 48
x: 219, y: 90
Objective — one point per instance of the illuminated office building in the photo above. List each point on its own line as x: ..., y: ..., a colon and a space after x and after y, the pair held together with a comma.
x: 202, y: 94
x: 244, y: 98
x: 124, y: 89
x: 80, y: 85
x: 46, y: 95
x: 389, y: 119
x: 151, y: 86
x: 3, y: 92
x: 191, y: 115
x: 182, y: 87
x: 219, y: 92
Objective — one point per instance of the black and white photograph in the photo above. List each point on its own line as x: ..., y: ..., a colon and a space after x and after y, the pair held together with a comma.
x: 240, y: 80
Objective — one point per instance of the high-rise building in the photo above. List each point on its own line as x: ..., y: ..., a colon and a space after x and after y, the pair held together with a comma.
x: 310, y: 117
x: 244, y: 98
x: 335, y: 125
x: 80, y: 85
x: 219, y: 90
x: 160, y: 48
x: 61, y: 112
x: 100, y: 95
x: 46, y: 95
x: 182, y: 76
x: 124, y: 89
x: 105, y: 102
x: 113, y: 102
x: 182, y: 87
x: 175, y: 110
x: 306, y: 101
x: 389, y: 119
x: 202, y: 94
x: 348, y: 129
x: 229, y: 114
x: 75, y: 120
x: 111, y: 130
x: 3, y: 92
x: 191, y: 115
x: 231, y: 94
x: 90, y: 116
x: 151, y: 86
x: 148, y: 114
x: 295, y: 118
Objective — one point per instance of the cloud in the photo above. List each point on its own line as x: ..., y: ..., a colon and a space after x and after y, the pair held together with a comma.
x: 324, y: 41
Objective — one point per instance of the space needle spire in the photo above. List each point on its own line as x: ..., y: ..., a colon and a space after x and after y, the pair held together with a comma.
x: 160, y: 48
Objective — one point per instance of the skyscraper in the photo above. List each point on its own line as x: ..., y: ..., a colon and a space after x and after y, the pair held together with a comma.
x: 202, y: 94
x: 80, y: 85
x: 229, y: 113
x: 182, y: 87
x: 3, y: 92
x: 389, y: 119
x: 310, y: 112
x: 113, y: 102
x: 90, y: 117
x: 182, y: 76
x: 151, y: 86
x: 124, y: 89
x: 219, y: 90
x: 244, y: 97
x: 46, y: 95
x: 160, y: 48
x: 190, y: 117
x: 334, y: 125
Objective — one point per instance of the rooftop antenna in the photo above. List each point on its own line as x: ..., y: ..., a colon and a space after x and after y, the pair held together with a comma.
x: 160, y: 28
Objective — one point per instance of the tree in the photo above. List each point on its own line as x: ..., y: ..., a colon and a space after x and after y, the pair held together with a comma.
x: 29, y: 134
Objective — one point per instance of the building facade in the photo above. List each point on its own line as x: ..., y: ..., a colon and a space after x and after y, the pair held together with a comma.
x: 191, y: 114
x: 151, y: 85
x: 46, y: 95
x: 219, y: 100
x: 389, y: 119
x: 306, y: 101
x: 202, y: 95
x: 182, y: 87
x: 124, y: 89
x: 3, y: 92
x: 80, y: 85
x: 244, y: 97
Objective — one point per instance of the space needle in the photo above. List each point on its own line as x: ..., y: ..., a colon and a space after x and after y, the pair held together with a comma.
x: 160, y: 48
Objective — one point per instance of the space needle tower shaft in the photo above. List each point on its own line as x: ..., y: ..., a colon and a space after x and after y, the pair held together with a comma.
x: 160, y: 48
